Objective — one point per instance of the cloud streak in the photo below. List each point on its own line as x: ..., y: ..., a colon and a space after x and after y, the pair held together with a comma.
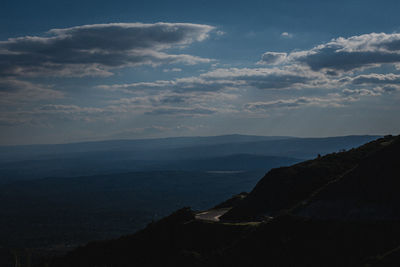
x: 271, y: 58
x: 182, y: 111
x: 14, y: 91
x: 333, y: 100
x: 349, y: 54
x: 97, y: 49
x: 232, y: 79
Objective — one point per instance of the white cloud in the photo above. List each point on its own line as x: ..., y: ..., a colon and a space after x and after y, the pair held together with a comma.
x: 172, y: 70
x: 375, y: 78
x: 14, y: 91
x: 333, y: 100
x: 97, y: 49
x: 182, y: 111
x: 348, y: 54
x: 360, y: 92
x: 286, y: 35
x: 271, y: 58
x: 233, y: 79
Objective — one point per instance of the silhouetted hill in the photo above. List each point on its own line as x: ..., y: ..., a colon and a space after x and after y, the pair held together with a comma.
x: 177, y: 240
x: 390, y: 258
x: 284, y: 241
x: 233, y: 201
x: 369, y: 191
x: 337, y: 210
x: 295, y: 241
x: 283, y: 188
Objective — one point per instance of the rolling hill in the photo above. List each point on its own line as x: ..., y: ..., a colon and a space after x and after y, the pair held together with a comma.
x: 339, y: 209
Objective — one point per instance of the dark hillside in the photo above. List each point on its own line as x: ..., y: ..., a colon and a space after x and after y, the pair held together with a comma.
x: 282, y: 188
x: 295, y: 241
x: 177, y: 240
x: 362, y: 228
x: 370, y: 191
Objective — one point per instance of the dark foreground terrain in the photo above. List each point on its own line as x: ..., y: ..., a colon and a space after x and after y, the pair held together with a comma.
x: 341, y: 209
x: 66, y: 212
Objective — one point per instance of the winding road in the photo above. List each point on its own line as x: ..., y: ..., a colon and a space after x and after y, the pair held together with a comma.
x: 211, y: 215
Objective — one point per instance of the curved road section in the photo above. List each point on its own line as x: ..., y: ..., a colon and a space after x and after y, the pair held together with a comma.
x: 211, y: 215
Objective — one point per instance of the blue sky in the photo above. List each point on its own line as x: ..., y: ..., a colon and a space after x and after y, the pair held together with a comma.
x: 94, y: 70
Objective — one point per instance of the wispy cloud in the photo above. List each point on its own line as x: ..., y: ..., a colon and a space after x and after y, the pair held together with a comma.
x: 286, y: 35
x: 14, y: 91
x: 232, y: 79
x: 333, y: 100
x: 348, y: 54
x: 182, y: 111
x: 99, y: 48
x: 374, y: 79
x: 271, y: 58
x: 172, y: 70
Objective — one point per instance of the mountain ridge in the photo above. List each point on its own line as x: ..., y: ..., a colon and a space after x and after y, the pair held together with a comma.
x: 283, y: 187
x: 288, y: 239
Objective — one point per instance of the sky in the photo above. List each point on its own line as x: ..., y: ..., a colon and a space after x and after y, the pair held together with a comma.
x: 75, y: 71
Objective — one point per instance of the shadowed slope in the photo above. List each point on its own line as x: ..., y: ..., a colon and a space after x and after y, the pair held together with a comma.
x: 283, y: 188
x: 361, y: 180
x: 370, y: 191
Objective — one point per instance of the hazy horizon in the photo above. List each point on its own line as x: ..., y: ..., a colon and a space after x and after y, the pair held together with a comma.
x: 73, y: 71
x: 191, y: 136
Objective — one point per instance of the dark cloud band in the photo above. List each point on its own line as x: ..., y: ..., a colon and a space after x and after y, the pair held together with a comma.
x: 95, y: 49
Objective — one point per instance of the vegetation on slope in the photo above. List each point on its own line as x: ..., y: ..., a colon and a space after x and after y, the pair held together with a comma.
x: 283, y: 188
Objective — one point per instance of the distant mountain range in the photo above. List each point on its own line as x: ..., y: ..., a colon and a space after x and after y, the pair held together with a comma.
x: 26, y: 152
x: 228, y: 152
x: 340, y: 209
